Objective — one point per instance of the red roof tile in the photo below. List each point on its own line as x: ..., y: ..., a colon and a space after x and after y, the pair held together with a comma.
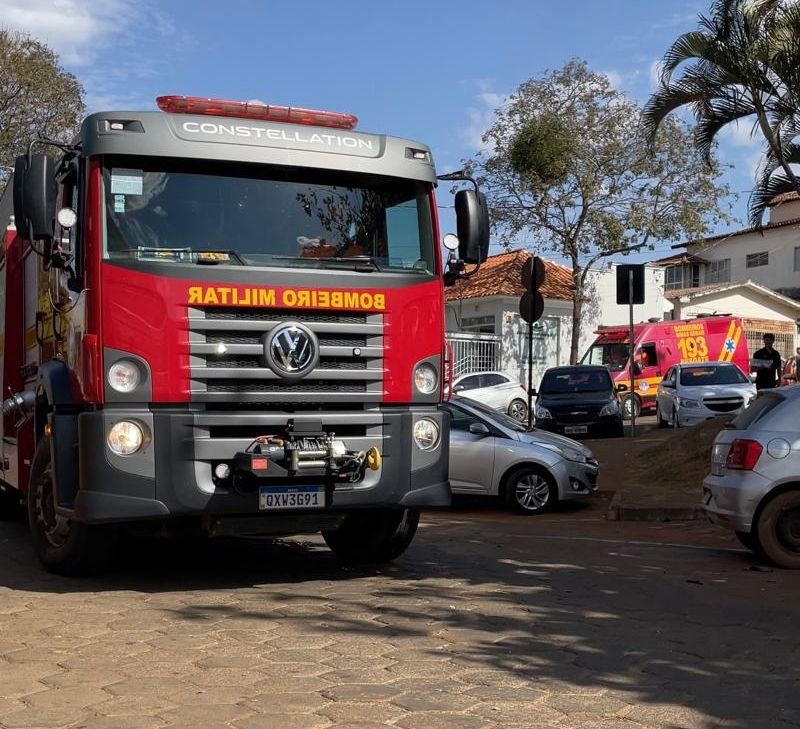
x: 500, y: 275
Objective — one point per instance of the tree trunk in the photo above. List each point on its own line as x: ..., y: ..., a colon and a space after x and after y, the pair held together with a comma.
x: 577, y: 315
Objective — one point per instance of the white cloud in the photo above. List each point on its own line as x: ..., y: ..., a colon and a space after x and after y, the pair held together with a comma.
x: 77, y: 29
x: 655, y: 73
x: 481, y: 116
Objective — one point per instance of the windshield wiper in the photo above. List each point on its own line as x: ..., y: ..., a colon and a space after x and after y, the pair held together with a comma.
x: 368, y: 260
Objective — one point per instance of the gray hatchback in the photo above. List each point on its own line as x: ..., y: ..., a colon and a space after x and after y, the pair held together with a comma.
x: 754, y: 484
x: 493, y: 454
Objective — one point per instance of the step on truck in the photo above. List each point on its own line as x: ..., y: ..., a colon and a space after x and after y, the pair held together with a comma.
x: 225, y: 317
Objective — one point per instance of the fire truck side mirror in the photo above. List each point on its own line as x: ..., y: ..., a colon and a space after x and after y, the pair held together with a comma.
x: 35, y: 197
x: 472, y: 223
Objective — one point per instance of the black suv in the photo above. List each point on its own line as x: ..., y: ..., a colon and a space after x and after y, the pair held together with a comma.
x: 578, y: 400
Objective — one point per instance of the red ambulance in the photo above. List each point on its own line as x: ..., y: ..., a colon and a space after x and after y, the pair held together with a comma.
x: 659, y: 345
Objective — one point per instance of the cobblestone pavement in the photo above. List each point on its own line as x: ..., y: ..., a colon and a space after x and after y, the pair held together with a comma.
x: 487, y: 621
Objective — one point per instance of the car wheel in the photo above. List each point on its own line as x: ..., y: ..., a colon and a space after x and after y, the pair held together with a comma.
x: 630, y: 402
x: 518, y: 409
x: 661, y: 422
x: 778, y: 530
x: 373, y: 537
x: 64, y: 547
x: 749, y: 540
x: 530, y: 491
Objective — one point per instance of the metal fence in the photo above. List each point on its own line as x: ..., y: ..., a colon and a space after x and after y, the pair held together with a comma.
x: 474, y: 352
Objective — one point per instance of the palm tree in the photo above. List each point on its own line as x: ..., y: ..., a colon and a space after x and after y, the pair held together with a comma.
x: 743, y: 63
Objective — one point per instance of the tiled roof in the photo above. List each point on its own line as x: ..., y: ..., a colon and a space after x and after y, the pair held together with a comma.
x: 783, y: 197
x: 769, y: 226
x: 500, y: 275
x: 677, y: 259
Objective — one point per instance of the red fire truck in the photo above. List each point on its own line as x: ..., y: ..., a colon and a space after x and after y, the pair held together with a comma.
x: 228, y: 317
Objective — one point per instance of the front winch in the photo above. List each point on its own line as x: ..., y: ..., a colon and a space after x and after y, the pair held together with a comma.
x: 305, y: 449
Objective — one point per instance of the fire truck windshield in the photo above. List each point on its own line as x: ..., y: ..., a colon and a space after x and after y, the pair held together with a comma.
x: 613, y: 355
x: 184, y: 211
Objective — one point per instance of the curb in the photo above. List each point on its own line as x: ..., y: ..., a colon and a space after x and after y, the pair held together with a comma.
x: 619, y: 511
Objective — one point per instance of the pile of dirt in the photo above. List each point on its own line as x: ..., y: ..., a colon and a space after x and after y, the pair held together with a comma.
x: 682, y: 458
x: 658, y: 468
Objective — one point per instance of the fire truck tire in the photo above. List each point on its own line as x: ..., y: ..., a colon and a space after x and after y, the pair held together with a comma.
x: 372, y: 537
x: 64, y: 547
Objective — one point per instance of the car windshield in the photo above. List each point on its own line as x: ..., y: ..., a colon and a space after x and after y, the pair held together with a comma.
x: 712, y: 375
x: 613, y: 355
x: 490, y: 414
x: 562, y: 382
x: 188, y: 211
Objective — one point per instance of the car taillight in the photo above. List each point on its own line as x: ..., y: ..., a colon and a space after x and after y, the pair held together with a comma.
x: 744, y: 454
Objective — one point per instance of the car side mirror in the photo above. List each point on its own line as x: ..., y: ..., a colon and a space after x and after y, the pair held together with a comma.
x: 458, y: 388
x: 478, y: 429
x: 472, y: 224
x: 621, y: 387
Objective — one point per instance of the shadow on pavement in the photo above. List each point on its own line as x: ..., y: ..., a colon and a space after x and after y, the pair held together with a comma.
x: 699, y: 631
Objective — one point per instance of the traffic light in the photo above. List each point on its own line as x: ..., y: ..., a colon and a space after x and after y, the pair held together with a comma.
x: 531, y: 303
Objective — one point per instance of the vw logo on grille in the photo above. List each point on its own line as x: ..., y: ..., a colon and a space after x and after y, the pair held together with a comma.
x: 291, y: 350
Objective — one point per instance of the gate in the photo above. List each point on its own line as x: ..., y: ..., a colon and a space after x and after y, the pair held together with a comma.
x: 474, y: 352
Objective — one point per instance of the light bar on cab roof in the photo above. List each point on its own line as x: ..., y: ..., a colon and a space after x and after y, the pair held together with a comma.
x: 252, y: 110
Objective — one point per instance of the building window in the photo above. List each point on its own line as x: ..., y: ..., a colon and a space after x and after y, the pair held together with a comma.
x: 478, y: 324
x: 718, y: 271
x: 797, y: 259
x: 686, y: 276
x: 754, y: 260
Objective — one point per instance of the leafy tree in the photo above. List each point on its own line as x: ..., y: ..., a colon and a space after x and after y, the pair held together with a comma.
x: 37, y: 96
x: 566, y: 171
x: 741, y: 64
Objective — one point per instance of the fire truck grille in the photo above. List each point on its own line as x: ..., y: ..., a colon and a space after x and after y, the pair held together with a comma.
x: 226, y: 347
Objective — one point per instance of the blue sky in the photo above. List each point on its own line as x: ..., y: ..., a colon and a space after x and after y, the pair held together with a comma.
x: 432, y: 71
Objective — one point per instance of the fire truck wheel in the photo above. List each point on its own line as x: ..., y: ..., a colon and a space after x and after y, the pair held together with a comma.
x: 64, y: 547
x: 371, y: 537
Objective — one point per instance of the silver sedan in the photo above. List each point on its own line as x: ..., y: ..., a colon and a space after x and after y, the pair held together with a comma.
x: 493, y: 454
x: 692, y: 392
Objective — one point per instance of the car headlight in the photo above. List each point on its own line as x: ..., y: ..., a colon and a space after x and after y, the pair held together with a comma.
x: 425, y: 378
x: 426, y: 434
x: 611, y: 408
x: 124, y: 376
x: 542, y: 413
x: 686, y: 402
x: 566, y: 451
x: 125, y: 437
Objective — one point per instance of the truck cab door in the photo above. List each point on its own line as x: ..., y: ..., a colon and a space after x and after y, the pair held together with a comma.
x: 647, y: 370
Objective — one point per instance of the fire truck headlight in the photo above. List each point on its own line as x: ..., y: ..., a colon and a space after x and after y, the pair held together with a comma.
x: 425, y: 378
x: 126, y: 437
x: 124, y: 376
x: 426, y: 434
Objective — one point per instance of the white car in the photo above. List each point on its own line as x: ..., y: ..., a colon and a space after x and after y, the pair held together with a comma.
x: 495, y: 389
x: 692, y: 392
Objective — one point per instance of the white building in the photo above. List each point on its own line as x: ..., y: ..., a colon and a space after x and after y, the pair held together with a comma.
x: 751, y: 273
x: 487, y: 332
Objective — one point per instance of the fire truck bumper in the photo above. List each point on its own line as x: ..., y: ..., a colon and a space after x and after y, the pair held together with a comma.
x: 173, y: 473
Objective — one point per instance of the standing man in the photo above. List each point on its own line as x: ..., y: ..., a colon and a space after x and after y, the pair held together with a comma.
x: 768, y: 374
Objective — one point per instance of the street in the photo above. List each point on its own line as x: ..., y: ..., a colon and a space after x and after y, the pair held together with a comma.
x: 489, y: 620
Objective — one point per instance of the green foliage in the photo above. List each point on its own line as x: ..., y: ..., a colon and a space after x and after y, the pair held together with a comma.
x: 741, y: 64
x: 566, y: 170
x: 37, y: 96
x: 542, y: 149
